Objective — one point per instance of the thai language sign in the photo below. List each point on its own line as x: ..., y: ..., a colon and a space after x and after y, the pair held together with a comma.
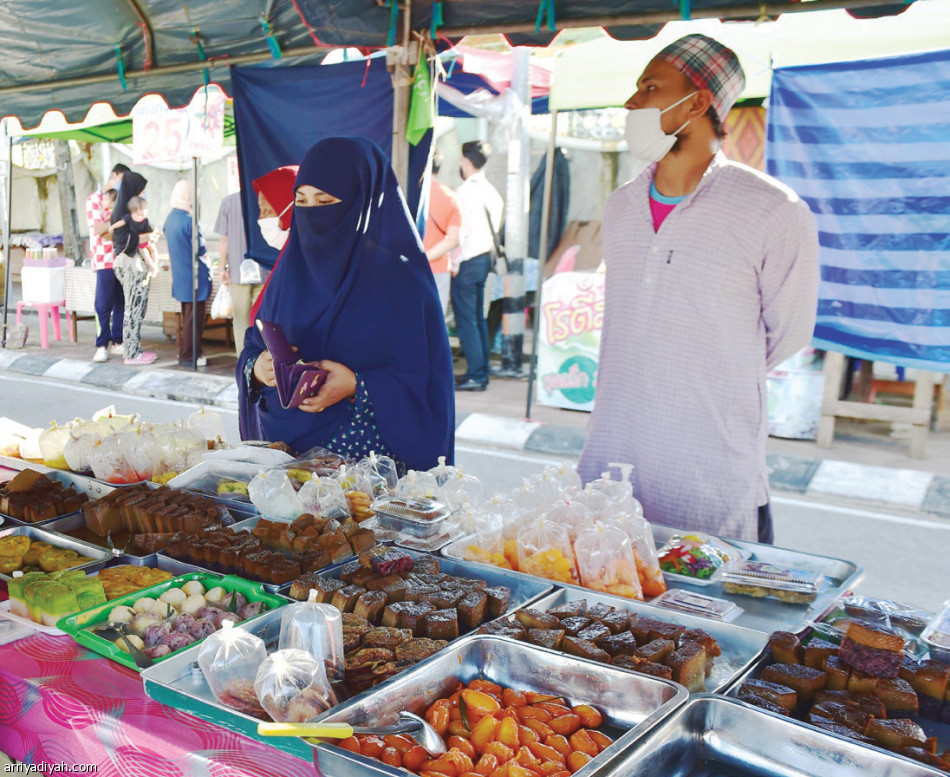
x: 572, y: 316
x: 163, y: 134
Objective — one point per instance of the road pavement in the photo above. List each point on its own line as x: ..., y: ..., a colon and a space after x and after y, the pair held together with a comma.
x: 902, y: 551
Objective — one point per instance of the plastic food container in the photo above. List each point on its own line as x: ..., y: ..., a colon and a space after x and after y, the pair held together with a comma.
x: 696, y: 558
x: 754, y: 578
x: 937, y: 635
x: 416, y: 516
x: 699, y: 604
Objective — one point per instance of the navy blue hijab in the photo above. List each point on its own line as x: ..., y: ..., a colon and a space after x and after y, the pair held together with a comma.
x: 354, y: 286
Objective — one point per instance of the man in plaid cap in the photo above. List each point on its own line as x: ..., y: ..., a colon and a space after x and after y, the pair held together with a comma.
x: 712, y: 279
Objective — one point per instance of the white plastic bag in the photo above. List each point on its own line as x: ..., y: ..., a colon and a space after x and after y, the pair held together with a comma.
x: 208, y: 423
x: 229, y: 660
x: 273, y: 495
x: 316, y: 629
x: 221, y: 306
x: 292, y: 687
x: 605, y: 561
x: 323, y: 497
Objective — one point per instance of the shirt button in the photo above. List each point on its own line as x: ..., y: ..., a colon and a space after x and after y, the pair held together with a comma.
x: 654, y: 249
x: 648, y: 281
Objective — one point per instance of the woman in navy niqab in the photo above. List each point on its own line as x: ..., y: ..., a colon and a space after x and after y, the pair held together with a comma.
x: 353, y: 287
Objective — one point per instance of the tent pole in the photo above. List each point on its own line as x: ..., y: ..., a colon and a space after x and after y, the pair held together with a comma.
x: 402, y: 91
x: 194, y: 263
x: 7, y: 222
x: 543, y: 250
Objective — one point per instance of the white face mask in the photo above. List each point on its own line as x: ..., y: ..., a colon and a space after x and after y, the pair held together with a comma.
x: 644, y: 134
x: 273, y: 235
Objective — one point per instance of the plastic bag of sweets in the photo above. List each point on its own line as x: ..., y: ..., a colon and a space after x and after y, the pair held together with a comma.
x: 292, y: 687
x: 461, y: 489
x: 229, y: 660
x: 324, y: 496
x: 606, y: 563
x: 571, y: 514
x: 273, y: 495
x: 644, y: 550
x: 417, y: 484
x: 544, y: 549
x: 317, y: 629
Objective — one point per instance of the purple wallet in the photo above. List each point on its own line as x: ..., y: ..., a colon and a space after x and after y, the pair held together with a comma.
x: 296, y: 380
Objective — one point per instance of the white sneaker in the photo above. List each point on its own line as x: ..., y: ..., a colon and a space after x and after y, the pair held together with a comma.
x: 102, y: 355
x: 201, y: 361
x: 116, y: 350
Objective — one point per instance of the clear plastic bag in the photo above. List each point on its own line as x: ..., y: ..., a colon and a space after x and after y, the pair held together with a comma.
x: 324, y: 497
x: 417, y: 484
x: 544, y: 549
x: 229, y: 660
x: 53, y: 445
x: 77, y: 452
x: 460, y: 489
x: 469, y: 521
x: 442, y: 471
x: 384, y: 468
x: 316, y: 629
x: 606, y: 563
x: 573, y: 515
x: 644, y: 549
x: 292, y: 687
x: 547, y: 486
x: 141, y: 451
x: 273, y: 495
x: 207, y: 423
x: 488, y: 548
x: 179, y: 446
x: 566, y: 474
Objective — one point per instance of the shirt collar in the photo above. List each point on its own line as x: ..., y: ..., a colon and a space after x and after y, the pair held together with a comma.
x: 717, y: 163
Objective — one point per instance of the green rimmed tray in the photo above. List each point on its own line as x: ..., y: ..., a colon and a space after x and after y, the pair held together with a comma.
x: 77, y: 625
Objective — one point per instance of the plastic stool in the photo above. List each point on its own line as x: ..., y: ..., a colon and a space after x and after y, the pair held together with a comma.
x: 44, y: 309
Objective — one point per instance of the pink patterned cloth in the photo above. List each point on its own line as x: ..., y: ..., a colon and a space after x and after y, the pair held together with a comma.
x: 60, y: 703
x: 696, y: 313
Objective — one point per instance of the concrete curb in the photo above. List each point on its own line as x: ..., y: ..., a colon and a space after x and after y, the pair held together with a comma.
x: 903, y: 488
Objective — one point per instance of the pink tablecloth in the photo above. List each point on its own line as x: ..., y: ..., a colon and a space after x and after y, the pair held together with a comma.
x: 60, y: 703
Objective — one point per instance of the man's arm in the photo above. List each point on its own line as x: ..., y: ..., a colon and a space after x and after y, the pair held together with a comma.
x: 788, y: 283
x: 446, y: 244
x: 223, y: 259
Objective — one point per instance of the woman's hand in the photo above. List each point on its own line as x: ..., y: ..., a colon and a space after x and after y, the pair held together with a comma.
x: 264, y: 370
x: 340, y: 384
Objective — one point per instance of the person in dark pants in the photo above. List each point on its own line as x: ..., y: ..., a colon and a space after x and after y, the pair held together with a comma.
x: 110, y: 299
x: 481, y: 207
x: 178, y: 235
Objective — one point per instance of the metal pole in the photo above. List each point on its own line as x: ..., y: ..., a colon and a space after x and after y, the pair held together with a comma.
x: 542, y: 256
x: 194, y: 264
x: 7, y: 221
x: 402, y: 91
x: 516, y: 222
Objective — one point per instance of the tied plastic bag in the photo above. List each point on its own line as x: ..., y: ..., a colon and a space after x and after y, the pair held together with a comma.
x: 141, y: 451
x: 53, y: 445
x: 358, y: 487
x: 469, y: 521
x: 207, y: 423
x: 545, y: 550
x: 460, y: 490
x: 644, y: 550
x: 323, y: 497
x: 566, y: 474
x: 221, y: 305
x: 384, y: 469
x: 606, y: 563
x: 77, y: 452
x: 229, y: 660
x: 316, y: 629
x: 574, y: 516
x: 179, y: 447
x: 417, y: 484
x: 442, y: 471
x: 488, y: 548
x: 272, y: 493
x: 292, y: 687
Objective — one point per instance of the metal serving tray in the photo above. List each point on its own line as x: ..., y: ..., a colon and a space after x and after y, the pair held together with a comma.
x: 740, y: 646
x: 84, y: 485
x: 631, y: 704
x: 769, y: 614
x: 766, y: 614
x: 931, y: 727
x: 714, y: 736
x: 178, y: 682
x: 98, y: 555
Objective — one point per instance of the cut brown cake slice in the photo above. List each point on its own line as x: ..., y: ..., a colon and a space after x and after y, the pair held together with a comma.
x: 838, y: 674
x: 786, y: 648
x: 549, y: 638
x: 806, y: 682
x: 689, y: 666
x: 781, y: 695
x: 897, y: 733
x: 584, y: 649
x: 818, y: 651
x: 846, y: 713
x: 898, y: 696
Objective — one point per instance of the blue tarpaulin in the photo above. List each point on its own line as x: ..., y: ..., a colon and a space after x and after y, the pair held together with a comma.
x: 865, y: 145
x: 279, y: 113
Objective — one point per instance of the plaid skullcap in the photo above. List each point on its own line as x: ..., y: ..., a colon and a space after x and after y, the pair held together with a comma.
x: 709, y: 65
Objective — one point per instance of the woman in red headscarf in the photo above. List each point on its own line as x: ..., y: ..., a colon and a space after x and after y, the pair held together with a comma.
x: 275, y: 199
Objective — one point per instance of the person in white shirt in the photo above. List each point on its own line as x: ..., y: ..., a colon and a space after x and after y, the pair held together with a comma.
x: 479, y: 201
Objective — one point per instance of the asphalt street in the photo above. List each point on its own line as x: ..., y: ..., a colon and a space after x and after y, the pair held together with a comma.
x: 903, y: 554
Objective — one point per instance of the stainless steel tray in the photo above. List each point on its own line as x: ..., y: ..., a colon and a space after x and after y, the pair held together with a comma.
x: 524, y: 589
x: 157, y: 561
x: 714, y: 736
x: 631, y: 704
x: 768, y: 614
x: 931, y: 727
x: 84, y: 485
x: 98, y: 555
x: 740, y: 646
x: 77, y: 521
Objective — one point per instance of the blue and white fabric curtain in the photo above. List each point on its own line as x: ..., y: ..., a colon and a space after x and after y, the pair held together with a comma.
x: 867, y: 145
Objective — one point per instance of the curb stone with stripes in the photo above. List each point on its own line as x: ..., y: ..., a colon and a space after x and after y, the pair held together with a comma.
x: 792, y: 474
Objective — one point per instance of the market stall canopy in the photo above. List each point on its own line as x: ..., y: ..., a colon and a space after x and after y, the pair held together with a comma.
x: 603, y: 73
x: 69, y: 54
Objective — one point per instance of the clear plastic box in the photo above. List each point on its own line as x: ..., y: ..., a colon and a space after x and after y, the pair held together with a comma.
x: 937, y: 635
x: 416, y: 516
x: 754, y: 578
x: 699, y: 604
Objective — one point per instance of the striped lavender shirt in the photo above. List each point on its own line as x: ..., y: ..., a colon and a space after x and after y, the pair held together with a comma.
x: 696, y: 313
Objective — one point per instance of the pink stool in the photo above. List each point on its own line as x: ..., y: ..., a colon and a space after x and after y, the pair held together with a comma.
x: 45, y: 309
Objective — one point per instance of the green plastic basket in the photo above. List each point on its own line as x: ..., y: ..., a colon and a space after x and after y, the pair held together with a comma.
x: 77, y: 625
